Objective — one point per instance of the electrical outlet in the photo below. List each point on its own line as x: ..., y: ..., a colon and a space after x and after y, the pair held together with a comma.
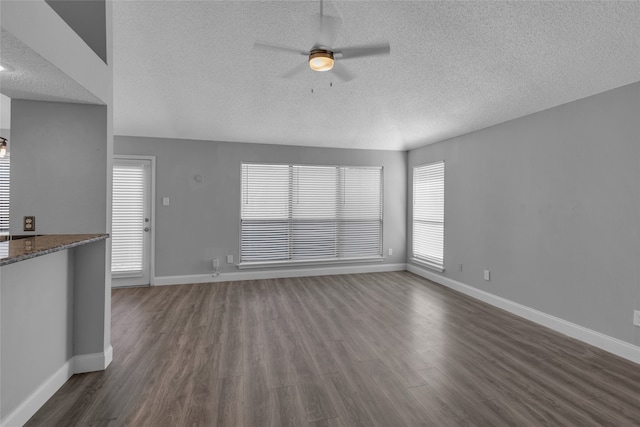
x: 459, y: 267
x: 390, y: 251
x: 229, y: 259
x: 216, y: 263
x: 636, y: 317
x: 487, y: 275
x: 29, y: 223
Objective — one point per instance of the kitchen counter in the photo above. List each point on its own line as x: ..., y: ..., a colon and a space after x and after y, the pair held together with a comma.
x: 19, y: 248
x: 55, y: 305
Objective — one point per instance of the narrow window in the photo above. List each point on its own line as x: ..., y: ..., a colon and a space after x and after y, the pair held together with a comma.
x: 5, y: 172
x: 428, y: 215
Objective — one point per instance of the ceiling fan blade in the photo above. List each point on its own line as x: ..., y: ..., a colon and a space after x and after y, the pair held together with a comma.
x: 342, y: 72
x: 365, y: 50
x: 326, y: 30
x: 295, y: 70
x: 278, y: 48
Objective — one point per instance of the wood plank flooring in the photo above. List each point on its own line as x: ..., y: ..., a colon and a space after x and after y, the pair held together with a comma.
x: 384, y: 349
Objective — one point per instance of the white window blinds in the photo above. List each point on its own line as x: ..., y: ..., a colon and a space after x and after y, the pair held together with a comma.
x: 297, y: 213
x: 127, y: 234
x: 428, y: 215
x: 5, y: 169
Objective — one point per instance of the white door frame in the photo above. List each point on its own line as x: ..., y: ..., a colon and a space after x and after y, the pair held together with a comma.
x: 152, y: 213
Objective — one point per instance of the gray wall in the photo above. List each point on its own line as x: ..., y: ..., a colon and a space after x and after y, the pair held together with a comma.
x: 37, y: 324
x: 88, y: 19
x: 550, y: 204
x: 92, y: 311
x: 59, y: 166
x: 203, y: 219
x: 59, y: 172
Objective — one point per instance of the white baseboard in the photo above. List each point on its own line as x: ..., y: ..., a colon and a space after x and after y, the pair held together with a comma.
x: 277, y: 274
x: 612, y: 345
x: 92, y: 362
x: 75, y: 365
x: 19, y: 416
x: 187, y: 279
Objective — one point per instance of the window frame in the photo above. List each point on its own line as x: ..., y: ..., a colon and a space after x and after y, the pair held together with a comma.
x: 139, y: 265
x: 6, y: 218
x: 431, y: 263
x: 242, y: 264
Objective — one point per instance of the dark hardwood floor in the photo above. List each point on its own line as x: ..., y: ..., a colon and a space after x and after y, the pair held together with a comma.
x: 384, y: 349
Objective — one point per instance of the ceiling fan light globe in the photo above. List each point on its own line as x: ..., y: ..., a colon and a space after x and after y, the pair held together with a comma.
x: 321, y: 60
x: 6, y: 68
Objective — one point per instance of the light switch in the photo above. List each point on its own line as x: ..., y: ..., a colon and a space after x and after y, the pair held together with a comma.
x: 165, y: 201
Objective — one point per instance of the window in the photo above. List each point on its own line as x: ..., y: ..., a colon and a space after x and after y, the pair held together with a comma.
x: 428, y: 215
x: 5, y: 170
x: 296, y: 213
x: 127, y: 234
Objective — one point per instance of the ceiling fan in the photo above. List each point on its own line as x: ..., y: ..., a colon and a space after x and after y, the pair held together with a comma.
x: 322, y: 56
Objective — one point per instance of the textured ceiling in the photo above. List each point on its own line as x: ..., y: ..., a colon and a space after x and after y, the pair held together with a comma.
x: 33, y: 77
x: 187, y: 69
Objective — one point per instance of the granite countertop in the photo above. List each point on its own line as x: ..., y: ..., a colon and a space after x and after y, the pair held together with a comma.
x: 19, y: 248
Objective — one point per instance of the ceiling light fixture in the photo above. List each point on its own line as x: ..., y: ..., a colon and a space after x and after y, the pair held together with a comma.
x: 3, y: 146
x: 320, y: 60
x: 6, y: 67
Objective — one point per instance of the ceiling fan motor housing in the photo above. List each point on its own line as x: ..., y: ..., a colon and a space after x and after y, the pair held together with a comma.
x: 321, y: 60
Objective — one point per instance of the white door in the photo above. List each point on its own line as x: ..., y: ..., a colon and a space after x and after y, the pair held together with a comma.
x: 131, y: 222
